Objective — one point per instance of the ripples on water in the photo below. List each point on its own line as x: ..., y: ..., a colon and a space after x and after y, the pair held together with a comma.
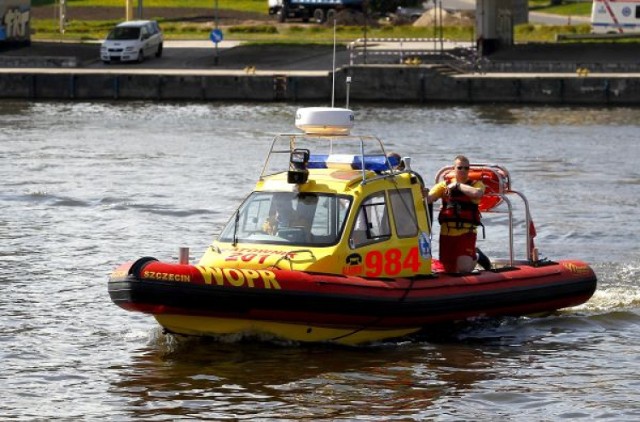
x: 86, y: 186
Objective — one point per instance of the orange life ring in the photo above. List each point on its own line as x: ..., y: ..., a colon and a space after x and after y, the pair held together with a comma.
x: 495, y: 180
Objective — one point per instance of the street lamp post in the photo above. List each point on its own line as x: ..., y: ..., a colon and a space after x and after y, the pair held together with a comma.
x: 215, y: 22
x: 128, y: 10
x: 366, y: 8
x: 63, y: 16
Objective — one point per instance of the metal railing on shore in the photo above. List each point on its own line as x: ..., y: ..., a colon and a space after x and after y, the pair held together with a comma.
x: 399, y: 49
x: 461, y: 57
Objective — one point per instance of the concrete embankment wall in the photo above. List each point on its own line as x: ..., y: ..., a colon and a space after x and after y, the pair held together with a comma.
x: 418, y: 84
x: 160, y: 87
x: 383, y: 83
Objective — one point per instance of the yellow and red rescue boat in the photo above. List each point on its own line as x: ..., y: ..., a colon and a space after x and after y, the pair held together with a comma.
x: 335, y: 246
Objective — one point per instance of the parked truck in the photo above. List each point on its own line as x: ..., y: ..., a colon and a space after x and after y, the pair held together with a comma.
x: 15, y: 19
x: 318, y: 10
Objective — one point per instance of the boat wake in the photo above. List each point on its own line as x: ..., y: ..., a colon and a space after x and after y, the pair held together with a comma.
x: 617, y: 288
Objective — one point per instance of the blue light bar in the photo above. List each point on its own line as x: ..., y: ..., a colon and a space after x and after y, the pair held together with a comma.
x: 377, y: 163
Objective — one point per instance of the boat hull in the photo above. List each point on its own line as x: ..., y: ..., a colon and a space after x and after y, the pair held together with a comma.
x: 197, y: 300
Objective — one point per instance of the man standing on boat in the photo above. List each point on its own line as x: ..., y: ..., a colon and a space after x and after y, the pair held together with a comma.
x: 459, y: 218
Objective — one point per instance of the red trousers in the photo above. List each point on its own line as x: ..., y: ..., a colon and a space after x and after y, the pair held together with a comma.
x: 451, y: 247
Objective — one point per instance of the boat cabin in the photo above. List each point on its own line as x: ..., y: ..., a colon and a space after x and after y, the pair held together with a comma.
x: 330, y: 202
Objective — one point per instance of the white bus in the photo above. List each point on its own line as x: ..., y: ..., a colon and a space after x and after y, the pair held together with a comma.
x: 15, y: 18
x: 615, y: 16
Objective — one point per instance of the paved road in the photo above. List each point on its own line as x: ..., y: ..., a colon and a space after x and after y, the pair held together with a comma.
x: 203, y: 55
x: 233, y: 55
x: 549, y: 19
x: 198, y: 55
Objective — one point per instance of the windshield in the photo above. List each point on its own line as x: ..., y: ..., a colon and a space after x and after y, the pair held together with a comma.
x: 124, y: 33
x: 289, y: 218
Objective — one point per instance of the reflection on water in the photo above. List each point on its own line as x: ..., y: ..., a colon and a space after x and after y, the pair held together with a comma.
x: 298, y: 382
x: 86, y: 186
x: 506, y: 364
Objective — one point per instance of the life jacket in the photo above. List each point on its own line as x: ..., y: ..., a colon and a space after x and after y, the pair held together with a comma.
x: 460, y: 209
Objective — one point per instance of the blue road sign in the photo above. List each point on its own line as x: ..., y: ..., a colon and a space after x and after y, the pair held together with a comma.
x: 216, y: 36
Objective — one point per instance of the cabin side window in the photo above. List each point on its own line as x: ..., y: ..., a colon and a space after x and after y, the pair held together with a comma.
x: 637, y: 12
x: 327, y: 217
x: 372, y: 222
x: 404, y: 213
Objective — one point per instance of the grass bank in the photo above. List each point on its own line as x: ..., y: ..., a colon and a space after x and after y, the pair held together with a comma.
x: 565, y: 7
x: 268, y: 31
x: 292, y: 34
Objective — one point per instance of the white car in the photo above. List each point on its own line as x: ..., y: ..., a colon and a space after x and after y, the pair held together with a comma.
x: 132, y: 41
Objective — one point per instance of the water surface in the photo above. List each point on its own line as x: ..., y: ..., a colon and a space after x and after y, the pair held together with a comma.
x: 86, y: 186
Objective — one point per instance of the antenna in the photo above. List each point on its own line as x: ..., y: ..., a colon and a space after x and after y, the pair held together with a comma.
x: 333, y: 82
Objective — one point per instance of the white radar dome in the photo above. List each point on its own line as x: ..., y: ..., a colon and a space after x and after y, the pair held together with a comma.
x: 324, y: 120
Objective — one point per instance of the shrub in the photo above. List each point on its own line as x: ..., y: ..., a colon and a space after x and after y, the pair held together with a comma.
x: 253, y: 29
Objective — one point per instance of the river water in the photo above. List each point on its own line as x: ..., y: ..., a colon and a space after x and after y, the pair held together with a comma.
x: 86, y: 186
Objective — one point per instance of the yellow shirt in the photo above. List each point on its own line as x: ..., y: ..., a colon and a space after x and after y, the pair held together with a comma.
x: 452, y: 228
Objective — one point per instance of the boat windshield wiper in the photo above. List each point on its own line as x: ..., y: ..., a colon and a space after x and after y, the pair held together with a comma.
x: 235, y: 228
